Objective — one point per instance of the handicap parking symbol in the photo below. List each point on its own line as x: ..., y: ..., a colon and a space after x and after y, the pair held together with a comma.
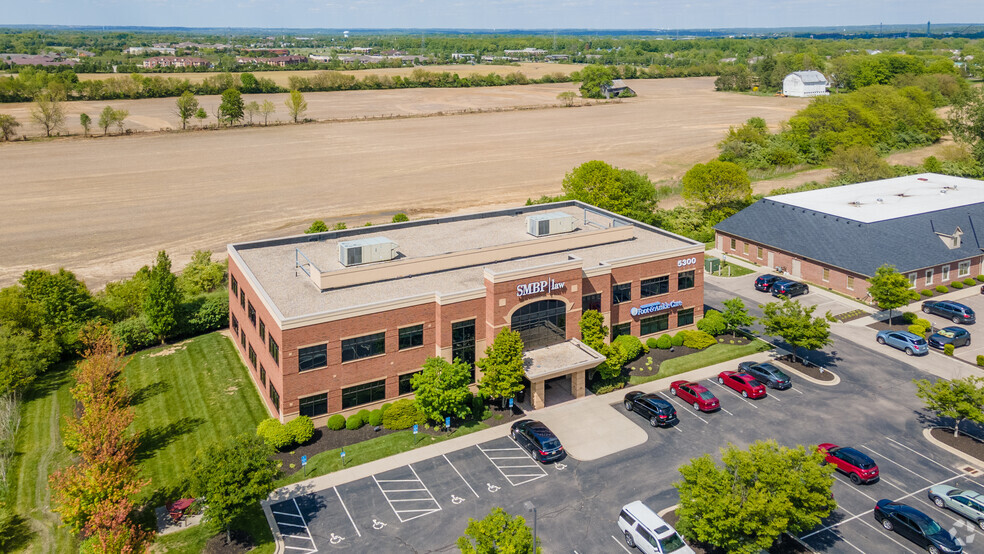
x: 335, y: 539
x: 377, y: 525
x: 560, y: 467
x: 493, y: 488
x: 456, y: 499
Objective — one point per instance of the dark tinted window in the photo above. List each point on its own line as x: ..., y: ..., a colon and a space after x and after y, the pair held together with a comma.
x: 463, y: 343
x: 274, y: 351
x: 621, y: 329
x: 262, y: 375
x: 274, y: 397
x: 363, y: 394
x: 652, y: 287
x: 621, y: 293
x: 549, y: 443
x: 262, y: 331
x: 685, y: 280
x: 312, y: 357
x: 235, y: 325
x: 313, y: 406
x: 363, y: 347
x: 405, y: 386
x: 627, y: 517
x: 411, y: 336
x: 654, y: 324
x: 235, y: 286
x: 252, y: 356
x: 251, y: 313
x: 591, y: 302
x: 685, y: 317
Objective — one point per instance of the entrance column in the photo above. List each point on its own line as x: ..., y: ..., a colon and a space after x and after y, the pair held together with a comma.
x: 538, y: 391
x: 577, y: 384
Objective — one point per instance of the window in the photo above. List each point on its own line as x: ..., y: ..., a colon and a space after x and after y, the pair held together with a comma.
x: 312, y: 357
x: 235, y: 325
x: 621, y: 293
x: 826, y: 274
x: 685, y: 317
x: 242, y: 299
x: 963, y: 269
x: 654, y: 324
x: 363, y: 347
x: 313, y: 406
x: 685, y: 280
x: 591, y: 302
x: 945, y: 273
x: 929, y: 276
x: 850, y: 282
x: 363, y: 394
x: 405, y: 386
x: 621, y: 329
x: 744, y: 248
x: 251, y: 314
x: 463, y: 343
x: 262, y: 375
x: 912, y: 280
x: 235, y: 286
x: 734, y: 245
x: 274, y: 351
x: 411, y: 337
x: 242, y: 337
x: 262, y: 331
x: 655, y: 286
x: 274, y: 397
x: 252, y: 356
x: 759, y: 253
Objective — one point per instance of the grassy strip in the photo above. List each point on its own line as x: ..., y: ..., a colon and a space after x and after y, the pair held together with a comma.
x: 709, y: 356
x: 729, y: 269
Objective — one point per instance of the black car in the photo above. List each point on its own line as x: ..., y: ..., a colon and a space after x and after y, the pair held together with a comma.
x: 954, y: 311
x: 767, y: 374
x: 915, y: 526
x: 657, y: 410
x: 789, y: 289
x: 765, y: 282
x: 957, y: 336
x: 538, y: 439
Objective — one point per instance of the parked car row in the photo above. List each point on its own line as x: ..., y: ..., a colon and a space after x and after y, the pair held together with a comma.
x: 780, y: 286
x: 914, y: 345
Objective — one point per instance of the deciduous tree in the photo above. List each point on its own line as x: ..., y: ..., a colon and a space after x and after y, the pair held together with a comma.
x: 252, y: 108
x: 593, y: 77
x: 22, y: 358
x: 497, y: 532
x: 960, y: 399
x: 59, y: 300
x: 202, y: 274
x: 187, y: 107
x: 735, y: 315
x: 231, y: 108
x: 796, y: 325
x: 441, y: 389
x: 859, y: 163
x: 716, y: 183
x: 86, y: 122
x: 8, y: 126
x: 621, y: 191
x: 593, y: 329
x: 502, y: 366
x: 109, y: 117
x: 317, y: 226
x: 201, y: 115
x: 266, y: 109
x: 296, y: 105
x: 48, y: 111
x: 966, y: 121
x: 163, y: 297
x: 567, y: 97
x: 890, y: 289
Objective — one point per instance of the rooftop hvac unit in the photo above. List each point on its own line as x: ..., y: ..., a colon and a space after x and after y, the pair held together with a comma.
x: 364, y: 251
x: 553, y: 223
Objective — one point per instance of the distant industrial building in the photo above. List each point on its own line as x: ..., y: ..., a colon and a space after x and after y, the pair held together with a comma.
x: 805, y: 84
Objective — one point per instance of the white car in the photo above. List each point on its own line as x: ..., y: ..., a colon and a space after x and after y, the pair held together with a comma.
x: 648, y: 532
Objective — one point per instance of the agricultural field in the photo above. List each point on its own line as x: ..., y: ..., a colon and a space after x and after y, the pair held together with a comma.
x: 103, y: 207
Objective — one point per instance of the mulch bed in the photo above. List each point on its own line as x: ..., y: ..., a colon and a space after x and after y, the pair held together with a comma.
x: 785, y: 544
x: 896, y: 324
x: 964, y: 443
x: 850, y: 316
x: 638, y: 366
x: 808, y: 370
x: 241, y: 542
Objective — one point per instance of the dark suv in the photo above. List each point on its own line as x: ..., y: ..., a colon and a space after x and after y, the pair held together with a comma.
x: 954, y: 311
x: 538, y: 439
x: 789, y: 289
x: 657, y: 410
x: 765, y: 282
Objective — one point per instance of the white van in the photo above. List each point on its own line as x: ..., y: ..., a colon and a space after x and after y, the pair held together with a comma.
x: 648, y: 532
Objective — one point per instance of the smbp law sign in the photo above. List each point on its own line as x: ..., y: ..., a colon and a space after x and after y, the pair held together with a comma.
x: 655, y: 307
x: 537, y: 287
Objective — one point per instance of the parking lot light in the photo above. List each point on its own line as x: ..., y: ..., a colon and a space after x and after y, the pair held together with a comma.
x: 531, y: 508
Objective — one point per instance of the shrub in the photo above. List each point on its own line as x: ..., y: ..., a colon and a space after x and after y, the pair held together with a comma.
x: 926, y: 292
x: 969, y: 281
x: 980, y: 360
x: 401, y: 415
x: 909, y: 317
x: 664, y: 342
x: 630, y: 345
x: 712, y: 323
x: 941, y: 289
x: 957, y: 285
x: 678, y: 338
x: 948, y: 349
x: 274, y: 433
x: 133, y: 334
x: 375, y: 417
x: 918, y: 330
x: 477, y: 406
x: 980, y: 278
x: 923, y: 323
x: 603, y: 386
x: 400, y: 217
x: 336, y: 422
x: 354, y: 422
x: 211, y: 315
x: 363, y: 415
x: 300, y: 429
x: 385, y: 406
x: 651, y: 342
x: 699, y: 340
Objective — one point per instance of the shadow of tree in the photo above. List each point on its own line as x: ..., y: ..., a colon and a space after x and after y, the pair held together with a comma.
x: 144, y: 394
x: 15, y: 532
x: 48, y: 382
x: 152, y: 440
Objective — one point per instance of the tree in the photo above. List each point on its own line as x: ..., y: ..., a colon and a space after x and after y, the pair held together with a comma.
x: 758, y: 495
x: 502, y: 366
x: 231, y: 108
x: 86, y: 122
x: 890, y: 289
x: 716, y: 183
x: 22, y: 358
x: 109, y: 117
x: 202, y: 274
x: 400, y: 218
x: 59, y: 300
x: 317, y: 226
x: 966, y: 121
x: 163, y: 297
x: 959, y: 399
x: 441, y: 389
x: 296, y: 105
x: 735, y: 315
x: 233, y: 477
x: 734, y: 77
x: 8, y: 124
x: 119, y: 117
x: 252, y: 108
x: 796, y: 325
x: 567, y: 97
x: 593, y: 77
x: 621, y: 191
x: 266, y: 108
x: 498, y: 532
x: 593, y: 329
x: 201, y: 115
x: 47, y: 111
x: 859, y: 163
x: 187, y: 107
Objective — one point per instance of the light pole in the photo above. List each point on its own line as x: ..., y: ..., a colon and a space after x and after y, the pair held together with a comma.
x: 531, y: 508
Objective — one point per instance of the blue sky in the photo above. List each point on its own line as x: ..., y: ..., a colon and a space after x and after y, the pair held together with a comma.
x: 488, y: 14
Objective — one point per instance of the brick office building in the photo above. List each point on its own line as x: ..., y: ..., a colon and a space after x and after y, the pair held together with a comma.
x: 928, y: 226
x: 339, y: 321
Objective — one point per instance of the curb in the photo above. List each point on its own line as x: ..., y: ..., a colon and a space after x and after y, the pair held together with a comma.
x: 665, y: 511
x: 806, y: 377
x: 927, y: 434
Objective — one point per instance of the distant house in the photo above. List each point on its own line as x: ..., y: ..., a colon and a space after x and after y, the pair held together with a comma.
x: 461, y: 56
x: 46, y: 60
x: 616, y: 89
x: 805, y: 83
x: 171, y: 61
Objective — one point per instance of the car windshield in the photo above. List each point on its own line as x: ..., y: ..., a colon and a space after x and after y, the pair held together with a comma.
x: 919, y: 342
x: 550, y: 443
x: 707, y: 395
x: 947, y: 334
x: 928, y: 526
x: 671, y: 543
x: 778, y: 373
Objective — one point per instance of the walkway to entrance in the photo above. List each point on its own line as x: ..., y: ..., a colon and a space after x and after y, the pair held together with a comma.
x: 564, y: 364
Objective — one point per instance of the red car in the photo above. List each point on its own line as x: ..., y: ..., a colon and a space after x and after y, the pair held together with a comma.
x: 696, y: 395
x: 855, y: 464
x: 743, y: 383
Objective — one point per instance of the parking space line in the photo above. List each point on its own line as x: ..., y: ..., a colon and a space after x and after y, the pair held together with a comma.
x: 687, y: 408
x: 922, y: 455
x: 352, y: 521
x: 888, y: 534
x: 620, y: 544
x: 849, y: 543
x: 459, y: 475
x: 745, y: 400
x: 727, y: 412
x: 854, y: 488
x: 421, y: 511
x: 896, y: 463
x: 304, y: 526
x: 889, y: 483
x: 503, y: 468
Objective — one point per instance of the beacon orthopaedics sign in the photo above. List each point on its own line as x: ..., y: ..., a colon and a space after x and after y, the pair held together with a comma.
x: 655, y: 307
x: 537, y: 287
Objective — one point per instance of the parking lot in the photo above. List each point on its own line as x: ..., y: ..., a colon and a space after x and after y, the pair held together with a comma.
x: 976, y: 346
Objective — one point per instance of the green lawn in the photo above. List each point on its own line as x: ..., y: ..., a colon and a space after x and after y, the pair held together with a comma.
x: 729, y: 269
x: 709, y: 356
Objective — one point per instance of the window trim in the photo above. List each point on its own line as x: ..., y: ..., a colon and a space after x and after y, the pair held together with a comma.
x: 408, y: 376
x: 313, y: 368
x: 693, y: 276
x: 913, y: 277
x: 825, y: 276
x: 642, y: 323
x: 263, y: 379
x: 262, y: 332
x: 693, y: 316
x: 850, y: 282
x: 759, y: 252
x: 744, y: 248
x: 734, y: 244
x: 399, y: 337
x: 371, y: 382
x: 271, y: 347
x: 963, y: 268
x: 273, y: 392
x: 234, y: 285
x: 944, y: 273
x: 300, y: 404
x: 929, y: 276
x: 251, y: 313
x: 383, y: 353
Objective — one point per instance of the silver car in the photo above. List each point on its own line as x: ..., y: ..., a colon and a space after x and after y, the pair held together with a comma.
x: 967, y: 503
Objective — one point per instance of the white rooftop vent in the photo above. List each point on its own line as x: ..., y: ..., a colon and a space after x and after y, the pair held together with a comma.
x: 553, y: 223
x: 364, y: 251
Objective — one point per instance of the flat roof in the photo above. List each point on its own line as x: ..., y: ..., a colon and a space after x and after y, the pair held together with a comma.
x: 273, y: 263
x: 560, y: 359
x: 889, y: 198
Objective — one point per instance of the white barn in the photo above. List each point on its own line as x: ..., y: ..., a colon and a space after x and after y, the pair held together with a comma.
x: 805, y: 83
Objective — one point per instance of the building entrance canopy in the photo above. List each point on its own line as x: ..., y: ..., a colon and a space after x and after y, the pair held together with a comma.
x: 571, y: 357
